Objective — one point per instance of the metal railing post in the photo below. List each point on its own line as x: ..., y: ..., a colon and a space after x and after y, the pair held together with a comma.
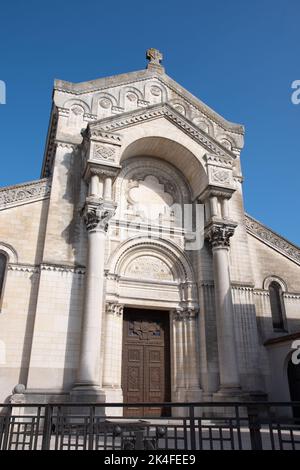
x: 192, y: 427
x: 91, y: 428
x: 254, y: 427
x: 46, y: 439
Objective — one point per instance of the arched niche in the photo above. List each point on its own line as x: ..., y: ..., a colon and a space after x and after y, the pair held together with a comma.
x: 173, y: 152
x: 149, y: 263
x: 145, y: 180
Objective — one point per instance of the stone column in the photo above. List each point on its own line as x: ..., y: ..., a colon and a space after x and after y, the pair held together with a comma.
x: 113, y: 346
x: 186, y: 366
x: 193, y: 376
x: 214, y: 210
x: 96, y: 216
x: 94, y: 186
x: 108, y: 188
x: 219, y: 235
x: 225, y: 208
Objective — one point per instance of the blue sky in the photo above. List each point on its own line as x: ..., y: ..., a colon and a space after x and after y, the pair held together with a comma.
x: 238, y: 56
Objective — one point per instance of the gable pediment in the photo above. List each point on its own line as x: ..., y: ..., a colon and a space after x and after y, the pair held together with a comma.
x: 111, y: 96
x: 113, y: 124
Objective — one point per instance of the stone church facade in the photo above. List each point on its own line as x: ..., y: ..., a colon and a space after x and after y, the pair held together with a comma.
x: 130, y: 271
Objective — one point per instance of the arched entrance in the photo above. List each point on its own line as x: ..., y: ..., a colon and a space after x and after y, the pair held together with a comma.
x: 151, y: 353
x: 293, y: 372
x: 146, y: 360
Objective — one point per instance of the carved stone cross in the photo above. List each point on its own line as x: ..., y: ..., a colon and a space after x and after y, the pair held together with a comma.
x: 154, y: 56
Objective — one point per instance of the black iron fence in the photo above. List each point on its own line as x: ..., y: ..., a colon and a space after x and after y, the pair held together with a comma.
x: 189, y: 426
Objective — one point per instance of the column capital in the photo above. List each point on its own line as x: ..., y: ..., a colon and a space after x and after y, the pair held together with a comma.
x: 219, y: 233
x: 100, y: 170
x: 114, y: 309
x: 97, y: 213
x: 185, y: 313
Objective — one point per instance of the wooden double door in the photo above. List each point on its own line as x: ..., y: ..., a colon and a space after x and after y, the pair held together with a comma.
x: 145, y: 361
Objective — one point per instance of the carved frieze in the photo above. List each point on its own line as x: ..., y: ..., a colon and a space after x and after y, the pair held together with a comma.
x: 272, y: 239
x: 25, y: 193
x: 149, y: 267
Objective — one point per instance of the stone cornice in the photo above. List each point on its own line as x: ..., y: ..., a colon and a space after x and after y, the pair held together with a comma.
x: 37, y: 268
x: 286, y: 295
x: 50, y: 144
x: 62, y: 268
x: 242, y: 286
x: 272, y: 239
x: 24, y: 268
x: 131, y: 118
x: 25, y: 193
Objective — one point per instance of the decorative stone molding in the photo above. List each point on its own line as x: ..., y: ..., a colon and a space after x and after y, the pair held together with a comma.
x: 219, y: 234
x: 165, y: 249
x: 238, y: 285
x: 50, y: 146
x: 269, y: 279
x: 220, y: 176
x: 136, y: 78
x: 164, y: 110
x: 133, y: 171
x: 114, y: 309
x: 62, y: 268
x: 25, y: 268
x: 97, y: 213
x: 104, y: 153
x: 185, y: 314
x: 10, y: 252
x: 286, y: 295
x: 100, y: 169
x: 218, y: 161
x: 17, y: 195
x: 31, y: 268
x: 242, y: 288
x: 66, y: 145
x: 214, y: 191
x: 102, y: 136
x: 149, y: 267
x: 272, y: 239
x: 289, y: 295
x: 261, y: 292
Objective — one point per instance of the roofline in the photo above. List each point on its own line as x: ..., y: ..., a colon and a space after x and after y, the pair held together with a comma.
x: 297, y: 247
x: 140, y: 75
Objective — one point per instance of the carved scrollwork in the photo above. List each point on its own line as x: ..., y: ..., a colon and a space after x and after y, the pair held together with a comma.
x: 21, y: 194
